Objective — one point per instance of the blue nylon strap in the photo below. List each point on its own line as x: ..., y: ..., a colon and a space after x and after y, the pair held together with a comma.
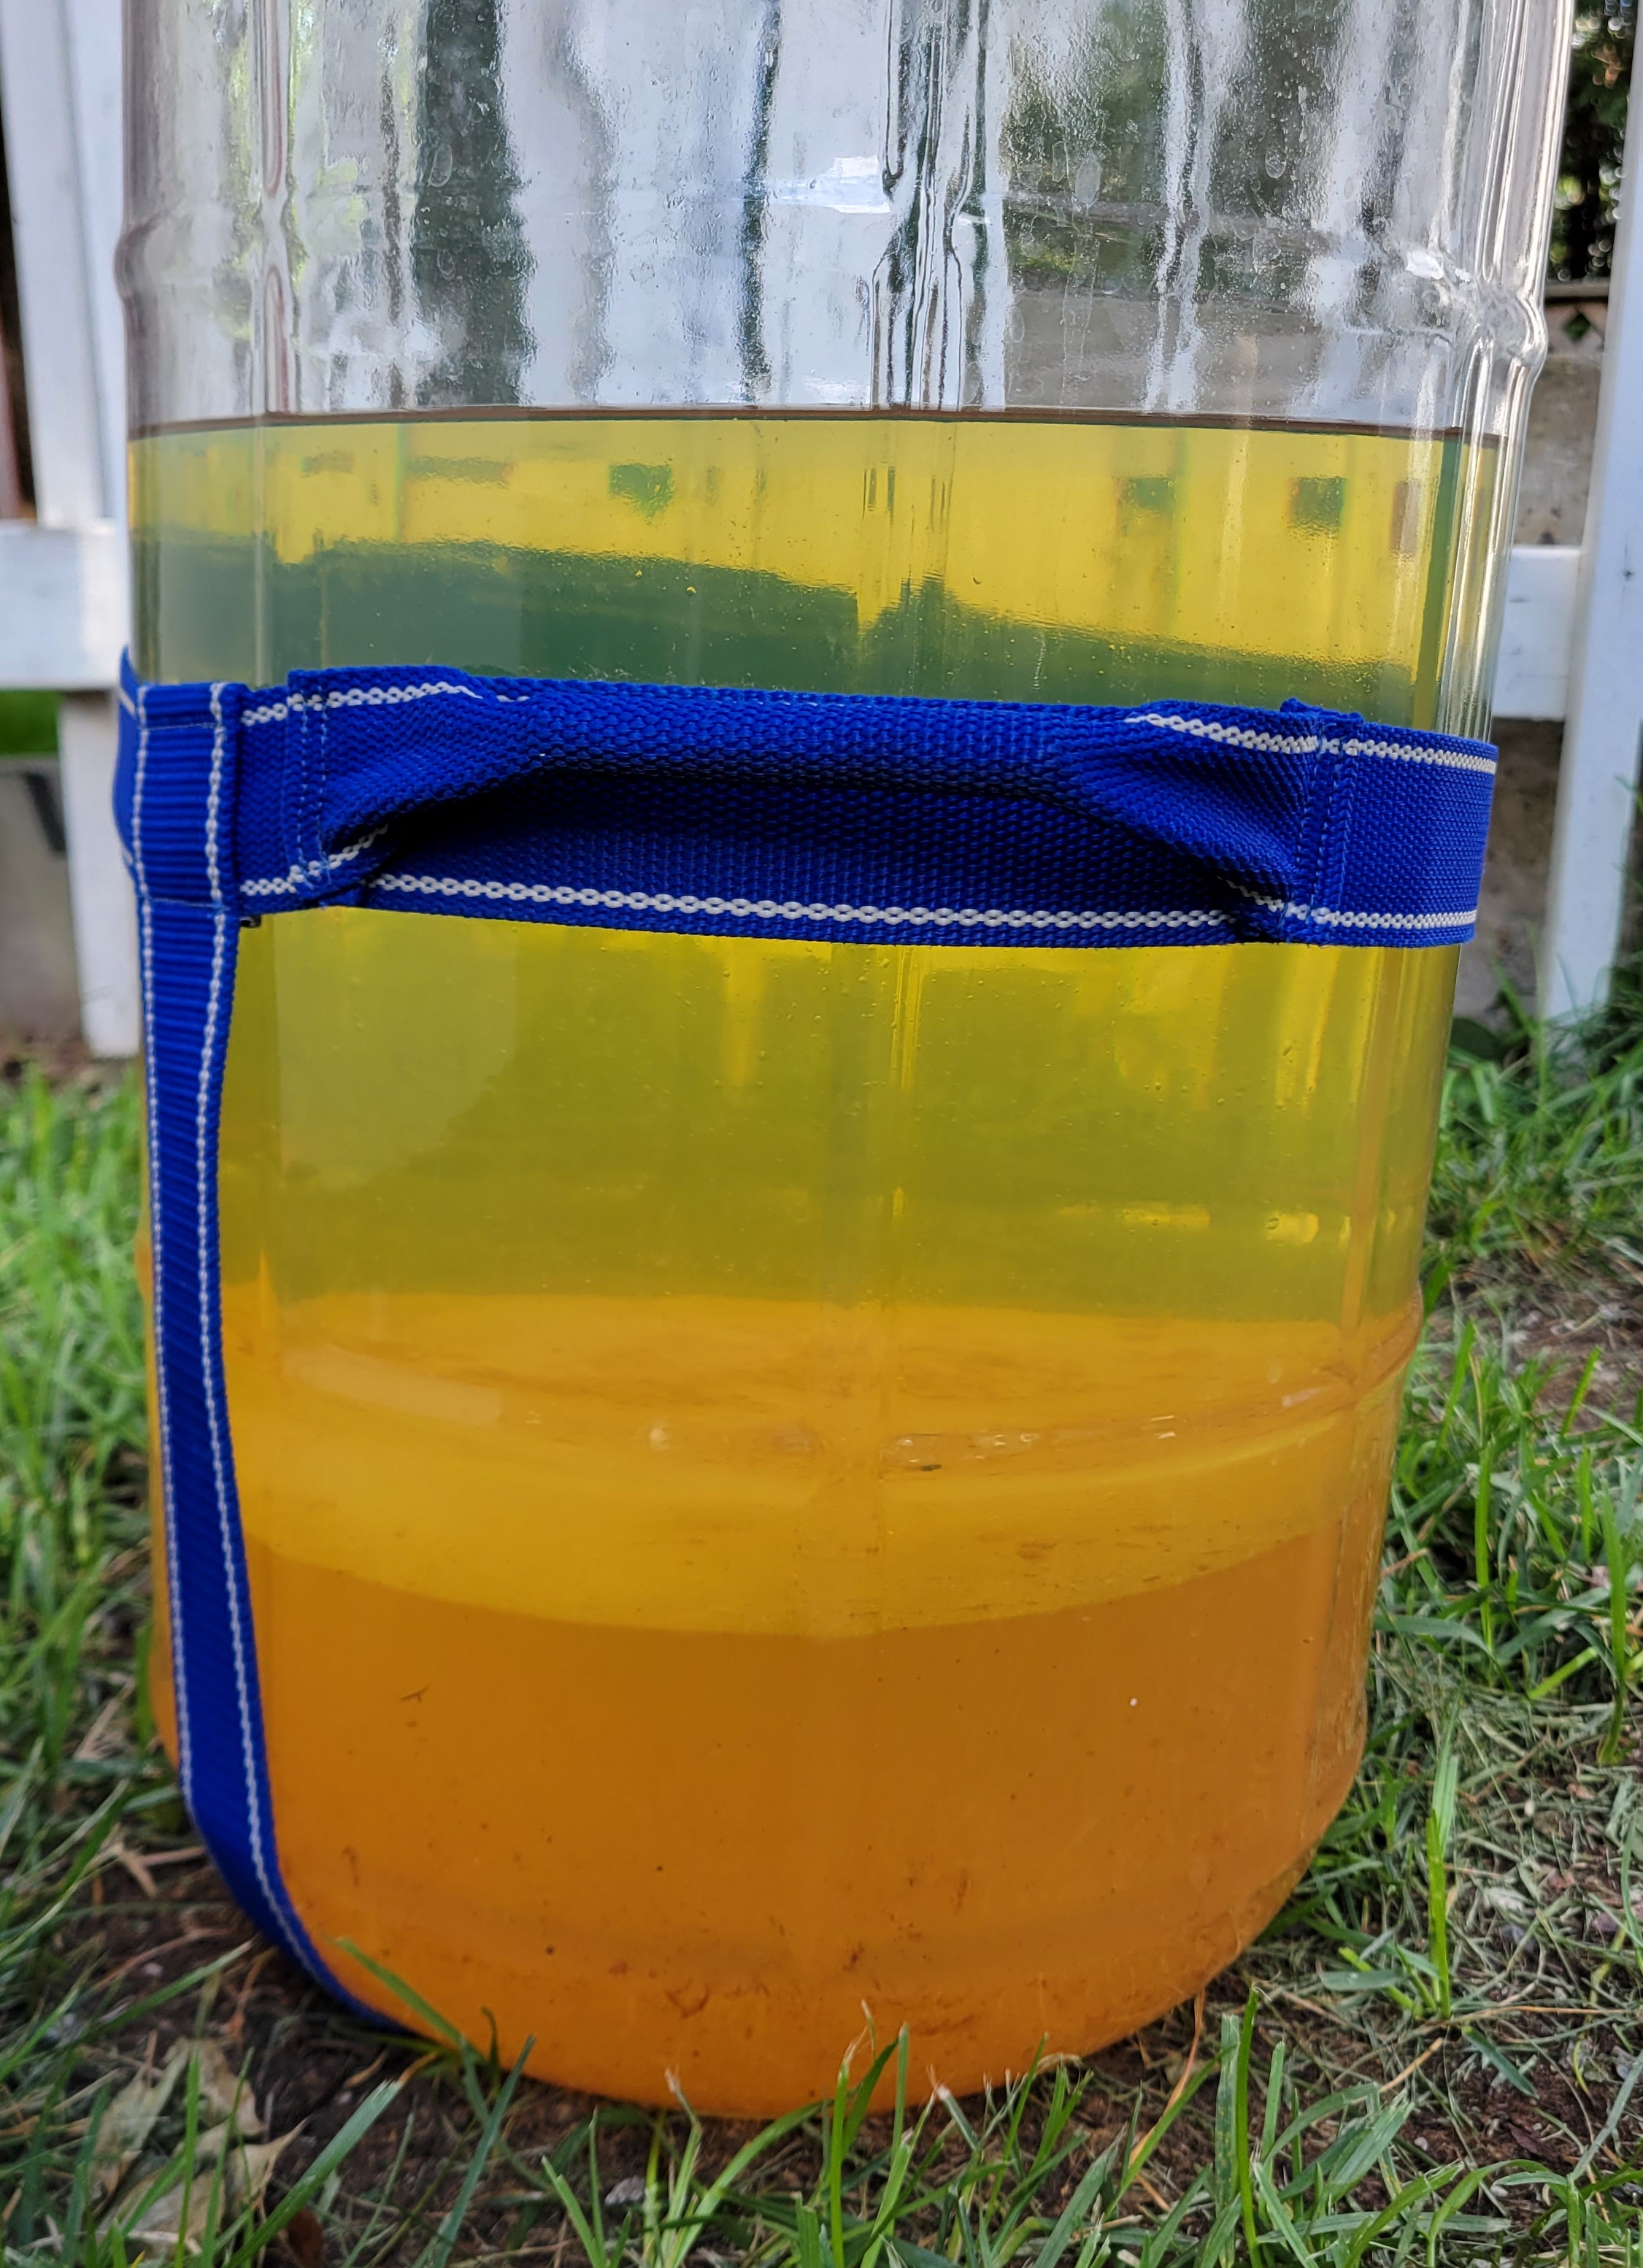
x: 181, y: 847
x: 658, y: 807
x: 842, y: 816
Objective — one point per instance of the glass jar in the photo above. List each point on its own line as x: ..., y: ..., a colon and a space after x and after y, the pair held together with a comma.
x: 783, y: 1476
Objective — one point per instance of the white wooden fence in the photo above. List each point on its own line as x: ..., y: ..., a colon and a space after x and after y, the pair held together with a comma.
x: 64, y: 601
x: 1573, y: 645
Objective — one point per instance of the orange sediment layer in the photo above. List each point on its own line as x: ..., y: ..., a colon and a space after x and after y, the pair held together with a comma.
x: 783, y: 1468
x: 658, y: 1853
x: 654, y: 1845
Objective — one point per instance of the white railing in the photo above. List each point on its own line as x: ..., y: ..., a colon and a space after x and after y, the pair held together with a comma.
x: 1573, y: 639
x: 64, y: 603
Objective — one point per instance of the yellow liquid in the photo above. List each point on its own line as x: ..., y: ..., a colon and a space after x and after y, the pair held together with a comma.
x: 783, y: 1476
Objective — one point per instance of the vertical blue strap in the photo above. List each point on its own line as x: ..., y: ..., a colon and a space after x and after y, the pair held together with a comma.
x: 181, y: 837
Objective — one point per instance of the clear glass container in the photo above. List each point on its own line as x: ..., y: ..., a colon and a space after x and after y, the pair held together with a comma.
x: 782, y: 1476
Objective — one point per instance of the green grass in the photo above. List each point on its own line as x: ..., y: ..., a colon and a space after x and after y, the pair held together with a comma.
x: 28, y: 725
x: 1541, y: 1164
x: 1435, y: 2055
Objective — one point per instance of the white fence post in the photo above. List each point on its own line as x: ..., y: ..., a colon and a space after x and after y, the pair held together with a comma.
x: 1604, y: 738
x: 64, y: 604
x: 100, y: 889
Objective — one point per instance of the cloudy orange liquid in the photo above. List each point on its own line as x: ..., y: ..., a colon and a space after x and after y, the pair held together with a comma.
x: 783, y: 1480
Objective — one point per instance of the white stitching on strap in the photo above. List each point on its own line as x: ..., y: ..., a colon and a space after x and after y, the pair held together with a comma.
x: 205, y: 1174
x: 664, y: 901
x: 317, y: 870
x: 1232, y: 736
x: 1198, y: 728
x: 1240, y: 736
x: 355, y: 696
x: 157, y: 1239
x: 1422, y: 752
x: 387, y: 696
x: 1341, y: 917
x: 204, y: 1169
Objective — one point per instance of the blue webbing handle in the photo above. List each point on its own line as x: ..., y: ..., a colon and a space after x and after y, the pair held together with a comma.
x: 1251, y: 796
x: 831, y: 814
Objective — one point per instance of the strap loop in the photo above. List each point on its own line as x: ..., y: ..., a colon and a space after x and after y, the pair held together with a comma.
x: 819, y: 814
